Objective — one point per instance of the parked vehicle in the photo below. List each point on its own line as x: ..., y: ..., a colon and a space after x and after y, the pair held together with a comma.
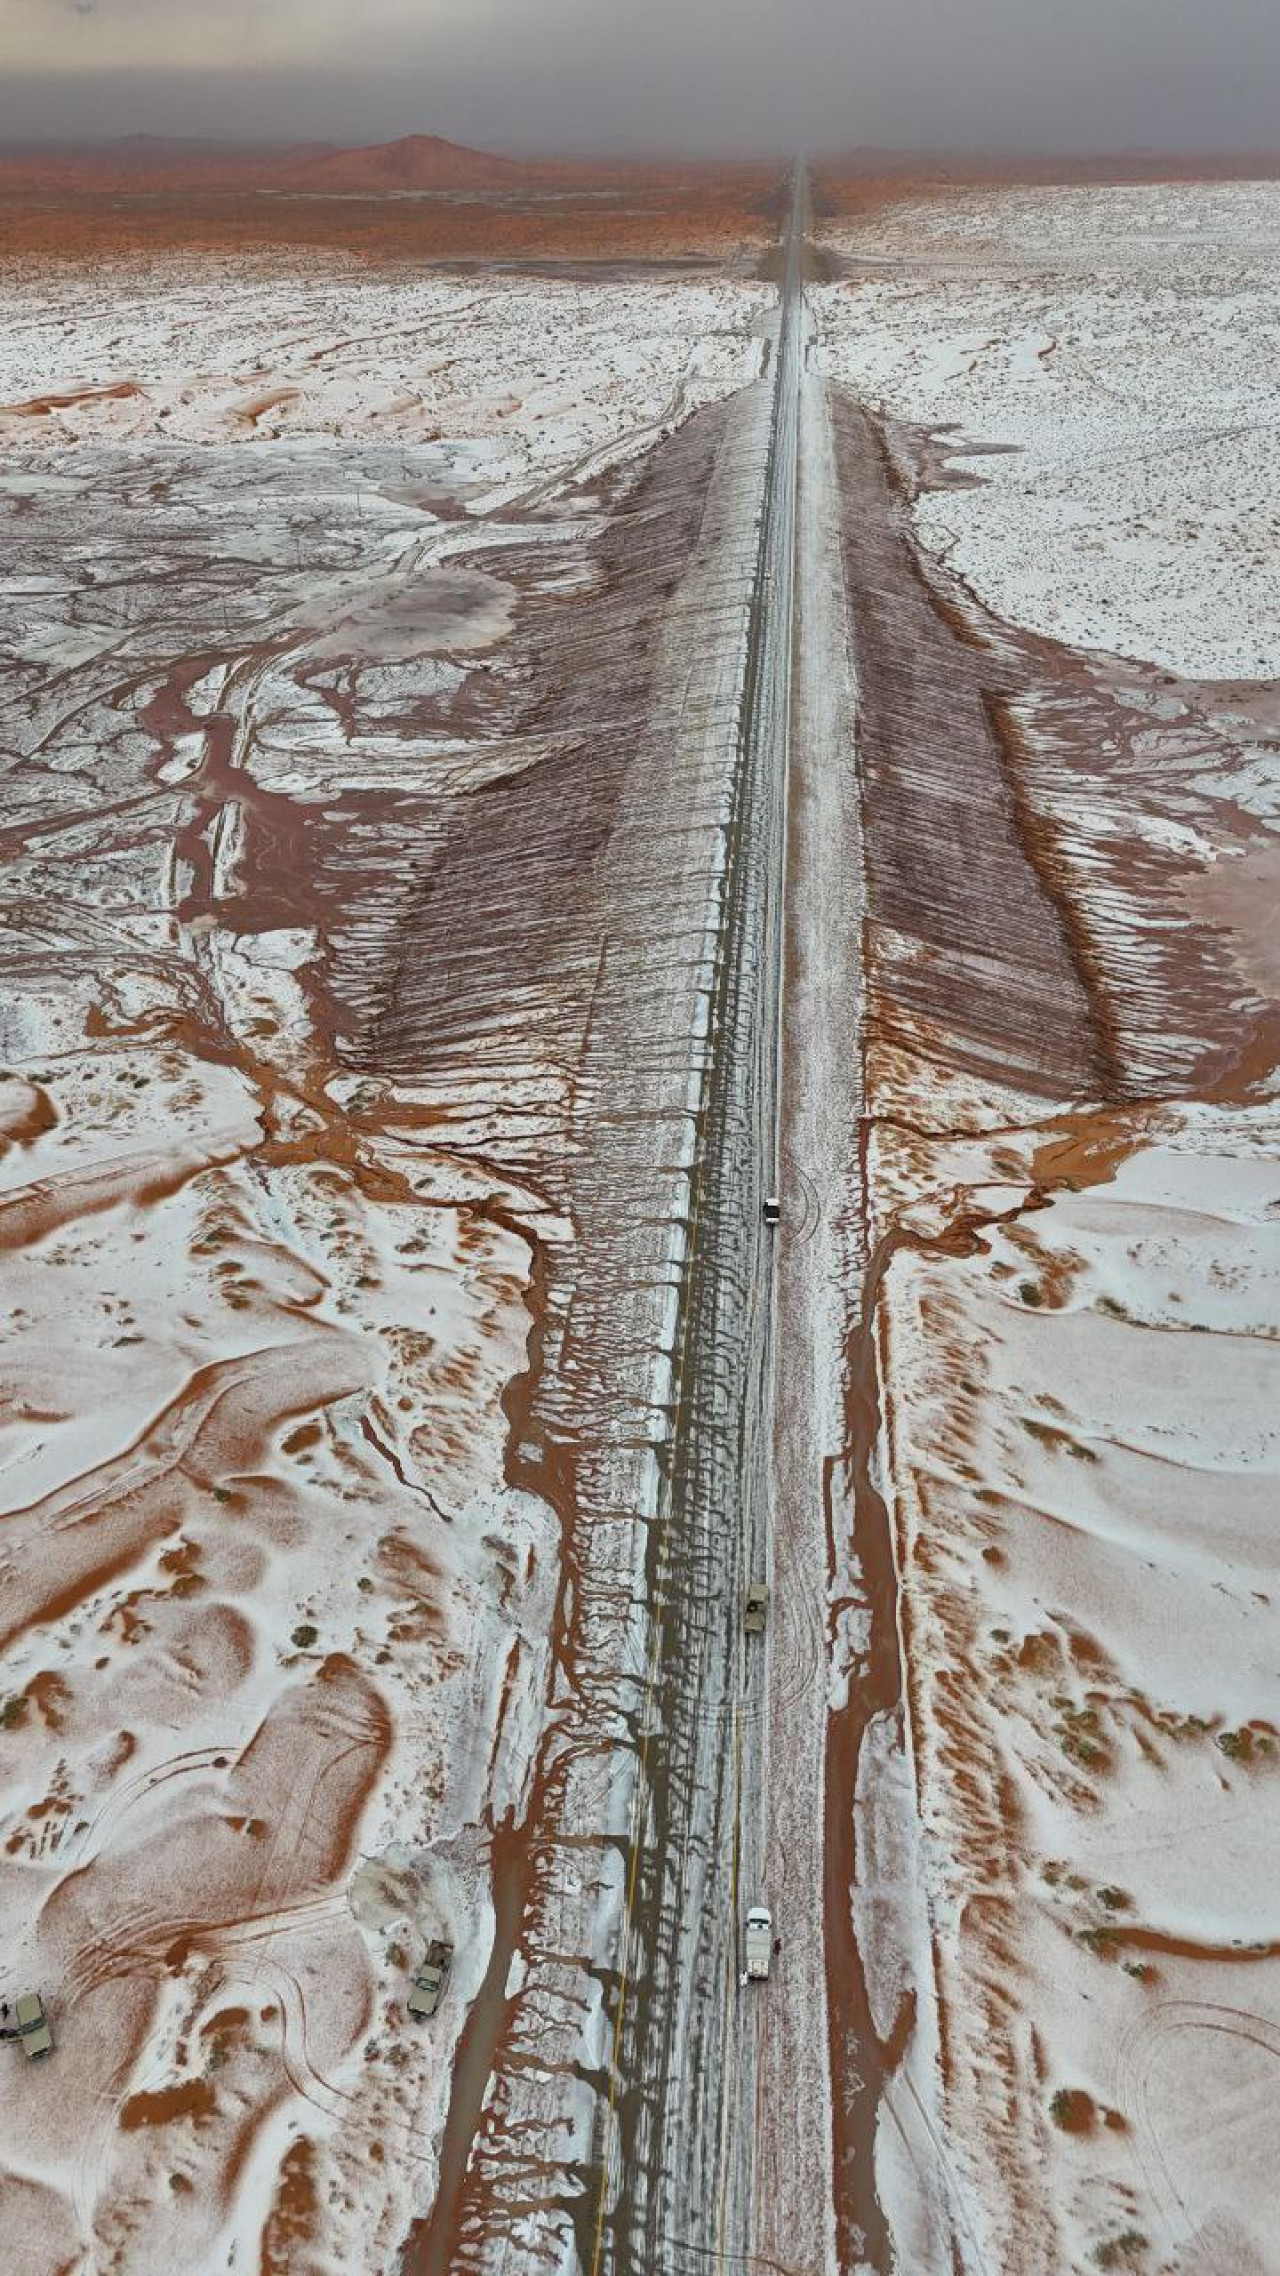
x: 33, y: 2026
x: 755, y: 1608
x: 759, y: 1943
x: 429, y: 1985
x: 773, y: 1209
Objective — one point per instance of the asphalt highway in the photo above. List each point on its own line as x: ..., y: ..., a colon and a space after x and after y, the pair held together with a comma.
x: 678, y: 2176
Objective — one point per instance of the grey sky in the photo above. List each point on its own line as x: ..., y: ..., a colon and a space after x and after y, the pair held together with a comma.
x: 634, y: 74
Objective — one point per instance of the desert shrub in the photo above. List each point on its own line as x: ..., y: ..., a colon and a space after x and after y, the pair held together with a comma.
x: 1100, y: 1941
x: 1118, y: 2249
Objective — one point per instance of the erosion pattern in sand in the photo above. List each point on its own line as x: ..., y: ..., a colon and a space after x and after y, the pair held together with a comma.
x: 314, y: 761
x: 1074, y: 1184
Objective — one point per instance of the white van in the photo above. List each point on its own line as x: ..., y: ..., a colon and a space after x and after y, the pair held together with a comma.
x: 759, y: 1943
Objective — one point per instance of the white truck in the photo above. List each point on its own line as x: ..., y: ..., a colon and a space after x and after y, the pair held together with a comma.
x: 30, y: 2025
x: 755, y: 1608
x: 759, y: 1944
x: 431, y: 1982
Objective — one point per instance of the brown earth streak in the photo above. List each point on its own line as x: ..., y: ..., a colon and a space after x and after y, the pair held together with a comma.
x: 575, y: 940
x: 293, y: 2225
x: 1022, y: 931
x: 193, y: 2098
x: 1032, y: 948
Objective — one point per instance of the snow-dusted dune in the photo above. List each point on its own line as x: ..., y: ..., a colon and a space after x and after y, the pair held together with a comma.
x: 285, y: 1128
x: 1115, y: 351
x: 1079, y: 1340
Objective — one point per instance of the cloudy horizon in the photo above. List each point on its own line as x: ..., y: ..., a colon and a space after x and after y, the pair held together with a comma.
x: 593, y: 74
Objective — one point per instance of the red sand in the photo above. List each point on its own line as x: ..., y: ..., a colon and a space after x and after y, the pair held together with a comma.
x: 420, y: 198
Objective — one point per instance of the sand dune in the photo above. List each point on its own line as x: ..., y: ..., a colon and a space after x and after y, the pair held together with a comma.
x: 1068, y: 740
x: 288, y: 1125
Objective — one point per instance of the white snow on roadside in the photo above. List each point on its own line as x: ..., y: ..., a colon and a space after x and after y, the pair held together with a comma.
x: 261, y: 1318
x: 1085, y: 1469
x: 1080, y: 1321
x: 525, y: 376
x: 1119, y: 348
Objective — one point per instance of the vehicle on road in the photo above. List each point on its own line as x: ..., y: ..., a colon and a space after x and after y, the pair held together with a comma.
x: 33, y: 2026
x: 773, y: 1209
x: 759, y: 1943
x: 755, y: 1608
x: 429, y: 1985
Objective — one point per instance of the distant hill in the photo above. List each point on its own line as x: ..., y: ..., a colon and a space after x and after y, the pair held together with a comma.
x: 416, y: 162
x: 154, y: 164
x: 148, y: 169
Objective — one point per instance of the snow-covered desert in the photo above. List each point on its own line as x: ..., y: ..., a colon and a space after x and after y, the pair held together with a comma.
x: 298, y: 600
x: 380, y: 654
x: 1074, y: 1179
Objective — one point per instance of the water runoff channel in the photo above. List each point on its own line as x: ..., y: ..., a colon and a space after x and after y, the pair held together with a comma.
x: 675, y: 2181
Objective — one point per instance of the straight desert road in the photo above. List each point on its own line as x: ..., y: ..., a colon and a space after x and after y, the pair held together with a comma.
x: 768, y: 2099
x: 685, y: 2055
x: 792, y: 2222
x: 725, y: 2149
x: 702, y: 2130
